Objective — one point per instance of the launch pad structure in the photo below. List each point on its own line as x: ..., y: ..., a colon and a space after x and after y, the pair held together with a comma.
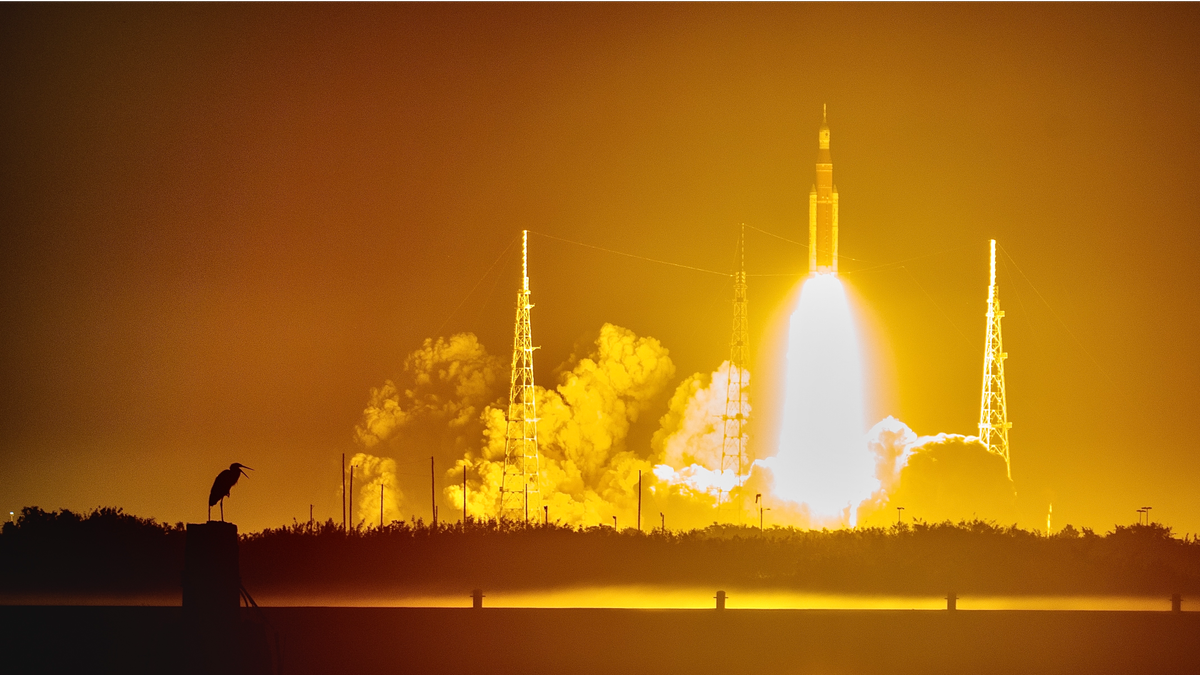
x: 993, y: 403
x: 521, y: 478
x: 733, y: 438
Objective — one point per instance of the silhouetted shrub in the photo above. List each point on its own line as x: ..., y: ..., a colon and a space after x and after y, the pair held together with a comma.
x: 108, y: 550
x: 105, y: 550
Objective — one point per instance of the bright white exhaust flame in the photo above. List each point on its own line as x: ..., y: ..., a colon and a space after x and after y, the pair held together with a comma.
x: 823, y: 461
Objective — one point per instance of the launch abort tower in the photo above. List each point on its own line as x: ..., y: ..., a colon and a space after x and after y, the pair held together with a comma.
x: 823, y: 210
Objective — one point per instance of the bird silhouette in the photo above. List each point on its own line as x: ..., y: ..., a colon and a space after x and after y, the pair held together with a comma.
x: 223, y: 484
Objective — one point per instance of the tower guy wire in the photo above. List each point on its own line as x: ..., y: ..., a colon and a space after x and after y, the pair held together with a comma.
x: 733, y: 438
x: 520, y: 480
x: 993, y: 404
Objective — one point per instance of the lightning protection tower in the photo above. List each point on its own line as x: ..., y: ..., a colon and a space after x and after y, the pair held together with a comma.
x: 733, y: 439
x: 993, y: 406
x: 519, y: 484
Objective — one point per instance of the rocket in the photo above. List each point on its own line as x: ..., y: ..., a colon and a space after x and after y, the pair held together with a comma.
x: 823, y: 209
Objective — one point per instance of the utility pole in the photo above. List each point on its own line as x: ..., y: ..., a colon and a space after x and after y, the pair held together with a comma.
x: 614, y: 522
x: 464, y: 497
x: 432, y: 493
x: 352, y: 493
x: 546, y: 510
x: 758, y: 502
x: 899, y: 509
x: 343, y: 492
x: 639, y: 501
x: 310, y: 520
x: 664, y: 521
x: 381, y: 506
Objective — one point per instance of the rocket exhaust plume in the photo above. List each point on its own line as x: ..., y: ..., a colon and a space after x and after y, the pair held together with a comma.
x: 823, y: 460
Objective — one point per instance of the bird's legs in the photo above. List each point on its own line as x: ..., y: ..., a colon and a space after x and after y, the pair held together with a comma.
x: 210, y: 512
x: 222, y: 509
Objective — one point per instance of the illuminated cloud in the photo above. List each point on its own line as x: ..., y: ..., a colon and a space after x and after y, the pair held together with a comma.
x: 587, y: 473
x: 432, y: 410
x: 370, y: 474
x: 935, y: 478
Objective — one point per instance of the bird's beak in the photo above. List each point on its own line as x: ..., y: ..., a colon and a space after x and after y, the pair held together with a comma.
x: 244, y: 472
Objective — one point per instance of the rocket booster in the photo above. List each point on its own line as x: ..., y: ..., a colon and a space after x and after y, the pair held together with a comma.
x: 823, y: 210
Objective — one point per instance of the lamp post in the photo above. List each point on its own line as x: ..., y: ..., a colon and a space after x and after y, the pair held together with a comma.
x: 758, y: 500
x: 1140, y: 513
x: 1147, y: 510
x: 546, y: 510
x: 664, y: 521
x: 899, y: 510
x: 614, y: 522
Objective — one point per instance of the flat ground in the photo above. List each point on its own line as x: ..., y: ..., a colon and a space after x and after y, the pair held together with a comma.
x: 610, y: 641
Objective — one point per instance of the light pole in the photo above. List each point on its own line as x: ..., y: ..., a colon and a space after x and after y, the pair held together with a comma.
x: 664, y: 521
x: 1140, y: 513
x: 546, y: 510
x: 614, y: 522
x: 899, y: 509
x: 1147, y: 510
x: 758, y: 500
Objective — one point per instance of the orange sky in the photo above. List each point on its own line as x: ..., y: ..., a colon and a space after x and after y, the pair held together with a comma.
x: 224, y: 223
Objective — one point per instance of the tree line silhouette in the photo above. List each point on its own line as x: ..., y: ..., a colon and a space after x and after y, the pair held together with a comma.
x: 109, y: 551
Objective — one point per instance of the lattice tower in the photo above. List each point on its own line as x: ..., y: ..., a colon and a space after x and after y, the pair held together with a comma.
x: 993, y: 405
x: 519, y: 487
x: 733, y: 440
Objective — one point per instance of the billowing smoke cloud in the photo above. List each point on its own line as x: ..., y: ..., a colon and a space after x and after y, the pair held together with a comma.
x: 449, y: 404
x: 690, y: 442
x: 432, y: 410
x: 587, y: 473
x: 935, y: 478
x: 372, y: 473
x: 693, y: 430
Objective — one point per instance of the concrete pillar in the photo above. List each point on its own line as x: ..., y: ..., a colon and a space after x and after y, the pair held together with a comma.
x: 211, y: 579
x: 720, y: 600
x: 951, y: 601
x: 477, y: 599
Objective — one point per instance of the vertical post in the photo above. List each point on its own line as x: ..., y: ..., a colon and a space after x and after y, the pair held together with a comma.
x: 343, y: 492
x: 381, y: 506
x: 639, y: 501
x: 614, y: 522
x: 352, y: 493
x: 899, y: 512
x: 546, y: 510
x: 310, y: 521
x: 464, y: 497
x: 432, y: 493
x: 664, y: 521
x: 527, y: 503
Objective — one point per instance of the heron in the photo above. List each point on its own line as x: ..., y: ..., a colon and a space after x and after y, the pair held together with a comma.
x: 223, y: 484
